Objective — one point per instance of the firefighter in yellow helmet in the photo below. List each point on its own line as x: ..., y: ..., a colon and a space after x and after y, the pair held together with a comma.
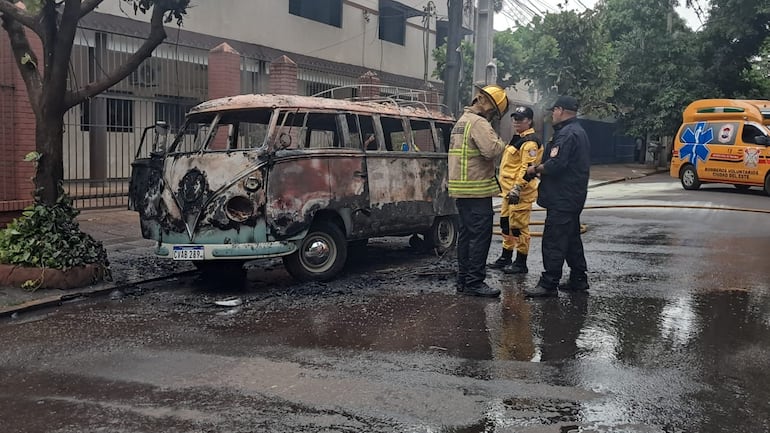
x: 519, y: 192
x: 473, y: 149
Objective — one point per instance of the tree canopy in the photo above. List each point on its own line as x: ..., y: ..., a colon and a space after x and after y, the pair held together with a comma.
x: 55, y: 22
x: 638, y: 62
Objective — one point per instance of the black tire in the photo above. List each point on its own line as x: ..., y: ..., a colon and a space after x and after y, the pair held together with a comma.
x: 221, y: 269
x: 689, y: 177
x: 443, y: 235
x: 742, y: 187
x: 321, y: 254
x: 767, y: 184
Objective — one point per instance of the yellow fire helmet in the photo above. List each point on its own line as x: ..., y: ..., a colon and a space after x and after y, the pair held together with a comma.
x: 497, y: 95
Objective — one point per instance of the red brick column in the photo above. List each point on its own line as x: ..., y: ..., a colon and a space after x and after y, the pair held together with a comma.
x: 224, y: 75
x: 430, y: 97
x: 283, y: 76
x: 370, y: 82
x: 17, y: 135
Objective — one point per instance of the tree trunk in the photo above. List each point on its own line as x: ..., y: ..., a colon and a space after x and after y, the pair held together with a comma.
x: 49, y: 140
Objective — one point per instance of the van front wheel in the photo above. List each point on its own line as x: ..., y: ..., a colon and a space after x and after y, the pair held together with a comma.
x: 689, y: 177
x: 321, y: 254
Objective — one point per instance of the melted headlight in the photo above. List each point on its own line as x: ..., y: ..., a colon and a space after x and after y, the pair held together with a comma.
x: 239, y: 208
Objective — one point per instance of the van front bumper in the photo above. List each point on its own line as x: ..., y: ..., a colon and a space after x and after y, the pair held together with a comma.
x: 249, y: 251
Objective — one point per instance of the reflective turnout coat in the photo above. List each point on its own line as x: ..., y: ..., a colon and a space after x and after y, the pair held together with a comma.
x: 523, y: 151
x: 473, y: 148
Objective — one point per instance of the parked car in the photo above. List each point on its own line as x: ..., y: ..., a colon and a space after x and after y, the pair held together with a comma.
x: 302, y: 178
x: 723, y: 141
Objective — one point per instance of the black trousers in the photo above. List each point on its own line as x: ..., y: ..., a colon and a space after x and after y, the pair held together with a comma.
x: 561, y: 241
x: 474, y: 239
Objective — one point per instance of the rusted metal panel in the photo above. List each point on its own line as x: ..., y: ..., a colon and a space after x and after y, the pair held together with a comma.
x: 301, y: 183
x: 403, y: 190
x: 242, y: 102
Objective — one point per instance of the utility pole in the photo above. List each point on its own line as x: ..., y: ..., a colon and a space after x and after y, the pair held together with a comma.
x: 484, y: 37
x: 453, y: 57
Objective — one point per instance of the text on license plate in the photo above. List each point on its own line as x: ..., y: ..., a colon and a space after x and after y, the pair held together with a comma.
x: 194, y: 252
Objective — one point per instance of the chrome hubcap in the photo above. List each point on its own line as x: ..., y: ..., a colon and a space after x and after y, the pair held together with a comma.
x: 317, y: 252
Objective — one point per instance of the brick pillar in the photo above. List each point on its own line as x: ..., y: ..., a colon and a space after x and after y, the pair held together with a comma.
x: 430, y: 97
x: 283, y: 76
x: 224, y: 76
x: 369, y: 85
x: 17, y: 133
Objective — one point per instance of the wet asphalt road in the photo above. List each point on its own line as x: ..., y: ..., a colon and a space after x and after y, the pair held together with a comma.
x: 673, y: 336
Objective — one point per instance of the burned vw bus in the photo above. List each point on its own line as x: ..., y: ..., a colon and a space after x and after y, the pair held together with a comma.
x: 302, y: 178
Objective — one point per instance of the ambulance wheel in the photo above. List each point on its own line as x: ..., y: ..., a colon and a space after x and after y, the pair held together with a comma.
x: 321, y: 254
x: 443, y: 235
x: 689, y: 177
x: 767, y: 184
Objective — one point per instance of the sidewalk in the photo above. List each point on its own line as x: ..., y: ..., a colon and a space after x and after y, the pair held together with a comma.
x: 132, y: 261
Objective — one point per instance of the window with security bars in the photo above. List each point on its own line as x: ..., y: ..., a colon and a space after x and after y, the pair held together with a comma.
x: 120, y: 115
x: 173, y: 111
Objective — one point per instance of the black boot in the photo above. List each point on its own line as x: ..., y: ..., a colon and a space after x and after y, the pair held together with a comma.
x: 481, y: 289
x: 502, y: 261
x: 578, y: 284
x: 519, y: 266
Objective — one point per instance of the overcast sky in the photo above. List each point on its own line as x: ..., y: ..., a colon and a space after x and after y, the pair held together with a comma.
x: 502, y: 22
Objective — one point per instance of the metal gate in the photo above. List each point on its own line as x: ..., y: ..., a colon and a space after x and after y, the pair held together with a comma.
x: 102, y: 134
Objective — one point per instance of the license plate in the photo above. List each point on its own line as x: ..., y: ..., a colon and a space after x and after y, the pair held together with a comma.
x: 193, y: 252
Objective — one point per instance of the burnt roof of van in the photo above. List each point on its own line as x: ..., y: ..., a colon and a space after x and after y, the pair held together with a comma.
x: 386, y: 107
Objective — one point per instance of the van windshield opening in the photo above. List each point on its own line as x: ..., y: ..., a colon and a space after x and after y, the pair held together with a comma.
x: 224, y: 131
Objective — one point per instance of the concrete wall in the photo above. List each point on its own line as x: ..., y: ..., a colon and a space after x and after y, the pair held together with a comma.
x: 269, y: 23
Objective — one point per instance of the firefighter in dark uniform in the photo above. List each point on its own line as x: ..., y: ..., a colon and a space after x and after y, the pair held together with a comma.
x: 562, y: 192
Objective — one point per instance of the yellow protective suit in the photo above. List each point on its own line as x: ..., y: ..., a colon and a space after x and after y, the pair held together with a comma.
x: 521, y: 153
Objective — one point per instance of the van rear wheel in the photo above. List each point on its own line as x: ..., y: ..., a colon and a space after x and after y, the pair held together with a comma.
x: 689, y: 177
x: 443, y: 234
x: 321, y: 254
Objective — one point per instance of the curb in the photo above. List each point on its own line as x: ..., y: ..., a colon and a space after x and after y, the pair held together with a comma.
x: 58, y: 300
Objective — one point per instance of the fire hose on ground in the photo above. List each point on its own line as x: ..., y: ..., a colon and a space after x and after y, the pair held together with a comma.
x: 584, y: 227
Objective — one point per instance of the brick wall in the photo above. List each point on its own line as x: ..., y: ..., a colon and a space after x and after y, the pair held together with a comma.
x: 283, y: 76
x: 224, y: 80
x: 17, y: 138
x: 370, y: 82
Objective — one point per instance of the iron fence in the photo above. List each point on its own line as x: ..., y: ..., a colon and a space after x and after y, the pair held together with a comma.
x: 102, y: 134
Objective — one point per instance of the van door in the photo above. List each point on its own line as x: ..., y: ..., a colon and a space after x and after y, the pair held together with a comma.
x: 724, y: 157
x: 402, y: 181
x: 754, y: 155
x: 317, y: 168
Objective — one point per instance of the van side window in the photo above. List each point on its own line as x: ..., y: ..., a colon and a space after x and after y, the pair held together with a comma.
x: 366, y: 123
x: 422, y: 136
x: 354, y: 133
x: 443, y: 131
x: 750, y: 133
x: 322, y: 131
x: 290, y: 130
x: 395, y: 136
